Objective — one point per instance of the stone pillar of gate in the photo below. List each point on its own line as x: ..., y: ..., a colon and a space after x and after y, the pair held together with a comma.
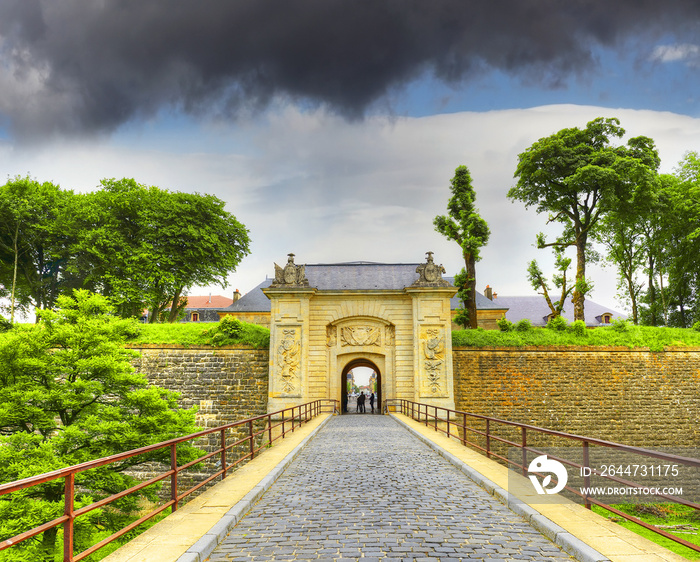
x: 432, y: 336
x: 289, y: 336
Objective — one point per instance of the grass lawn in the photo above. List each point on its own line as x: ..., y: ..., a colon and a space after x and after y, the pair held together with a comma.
x: 661, y: 514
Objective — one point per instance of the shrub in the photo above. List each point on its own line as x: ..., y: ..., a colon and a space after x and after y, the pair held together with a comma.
x: 230, y: 326
x: 620, y: 325
x: 523, y: 325
x: 696, y: 326
x: 558, y: 323
x: 578, y: 328
x: 5, y: 324
x: 505, y: 325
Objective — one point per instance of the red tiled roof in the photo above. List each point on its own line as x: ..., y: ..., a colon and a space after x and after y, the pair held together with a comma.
x: 213, y: 301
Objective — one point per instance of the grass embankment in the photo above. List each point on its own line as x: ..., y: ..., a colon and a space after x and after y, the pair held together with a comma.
x: 679, y: 520
x: 619, y: 334
x: 216, y: 334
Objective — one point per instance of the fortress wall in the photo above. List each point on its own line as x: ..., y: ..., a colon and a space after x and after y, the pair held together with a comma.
x: 227, y: 384
x: 631, y: 396
x: 638, y: 397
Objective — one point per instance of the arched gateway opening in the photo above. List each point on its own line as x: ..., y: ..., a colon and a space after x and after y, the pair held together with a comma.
x: 348, y: 402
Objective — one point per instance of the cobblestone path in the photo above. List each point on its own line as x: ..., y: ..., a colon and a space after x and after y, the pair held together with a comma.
x: 364, y: 488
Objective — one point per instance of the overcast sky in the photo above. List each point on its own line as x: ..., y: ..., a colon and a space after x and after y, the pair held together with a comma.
x: 332, y: 128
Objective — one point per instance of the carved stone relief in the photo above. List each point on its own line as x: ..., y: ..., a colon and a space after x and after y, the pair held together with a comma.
x: 291, y: 275
x: 430, y: 274
x: 288, y: 362
x: 360, y: 336
x: 433, y: 363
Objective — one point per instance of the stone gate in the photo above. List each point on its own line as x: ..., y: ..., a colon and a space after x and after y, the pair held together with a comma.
x: 326, y: 319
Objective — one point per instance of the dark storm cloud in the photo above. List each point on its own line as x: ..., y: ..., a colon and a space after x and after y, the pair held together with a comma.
x: 78, y: 66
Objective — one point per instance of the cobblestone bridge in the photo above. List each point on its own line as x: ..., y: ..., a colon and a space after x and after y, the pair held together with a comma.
x: 378, y: 487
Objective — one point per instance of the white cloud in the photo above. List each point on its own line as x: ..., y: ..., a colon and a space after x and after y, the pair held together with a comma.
x: 686, y: 52
x: 330, y: 191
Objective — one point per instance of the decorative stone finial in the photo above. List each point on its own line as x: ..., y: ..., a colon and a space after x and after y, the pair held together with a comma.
x: 290, y: 275
x: 430, y: 274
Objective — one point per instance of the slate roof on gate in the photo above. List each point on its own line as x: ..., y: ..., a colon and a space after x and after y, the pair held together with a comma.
x: 349, y: 276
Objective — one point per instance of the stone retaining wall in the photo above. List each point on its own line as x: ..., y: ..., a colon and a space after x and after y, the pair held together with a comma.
x: 227, y: 384
x: 638, y: 397
x: 631, y: 396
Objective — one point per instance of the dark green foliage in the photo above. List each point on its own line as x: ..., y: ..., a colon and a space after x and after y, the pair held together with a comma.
x: 578, y: 328
x: 5, y: 324
x: 69, y: 394
x: 578, y: 176
x: 557, y: 323
x: 464, y: 225
x: 523, y: 325
x: 505, y: 325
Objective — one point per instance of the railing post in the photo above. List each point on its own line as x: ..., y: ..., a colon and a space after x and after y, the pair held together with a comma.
x: 250, y: 436
x: 488, y: 439
x: 447, y: 413
x: 223, y: 453
x: 524, y: 450
x: 586, y: 477
x: 464, y: 429
x: 269, y: 429
x: 436, y: 416
x: 173, y: 476
x: 68, y: 509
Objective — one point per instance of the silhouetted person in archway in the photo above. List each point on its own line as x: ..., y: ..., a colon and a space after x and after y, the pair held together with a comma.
x: 371, y: 401
x: 361, y: 402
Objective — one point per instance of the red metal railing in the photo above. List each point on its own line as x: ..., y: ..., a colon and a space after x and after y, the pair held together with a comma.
x: 454, y: 422
x: 275, y: 426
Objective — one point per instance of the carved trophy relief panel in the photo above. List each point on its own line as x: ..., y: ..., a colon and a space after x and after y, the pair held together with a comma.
x: 288, y: 362
x: 433, y: 365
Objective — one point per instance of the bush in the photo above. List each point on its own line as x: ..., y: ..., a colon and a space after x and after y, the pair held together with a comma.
x: 557, y: 323
x: 5, y: 324
x: 620, y: 325
x: 696, y: 326
x: 523, y: 325
x: 578, y: 328
x: 230, y: 326
x: 505, y: 325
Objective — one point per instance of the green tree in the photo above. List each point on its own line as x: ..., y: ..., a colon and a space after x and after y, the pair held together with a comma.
x: 68, y: 394
x: 578, y: 176
x: 146, y: 247
x: 464, y: 225
x: 541, y: 285
x: 33, y: 242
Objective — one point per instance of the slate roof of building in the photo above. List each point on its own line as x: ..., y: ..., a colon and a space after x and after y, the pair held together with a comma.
x: 536, y: 310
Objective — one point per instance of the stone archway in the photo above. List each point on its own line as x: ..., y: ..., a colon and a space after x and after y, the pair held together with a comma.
x: 360, y: 362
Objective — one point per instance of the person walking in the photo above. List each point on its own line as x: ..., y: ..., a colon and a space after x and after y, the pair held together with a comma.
x: 371, y: 401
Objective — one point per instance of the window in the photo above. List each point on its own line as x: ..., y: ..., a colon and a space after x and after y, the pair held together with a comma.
x: 195, y: 317
x: 606, y: 318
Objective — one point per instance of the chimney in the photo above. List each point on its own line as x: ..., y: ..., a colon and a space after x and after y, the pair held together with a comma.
x: 236, y: 295
x: 488, y: 292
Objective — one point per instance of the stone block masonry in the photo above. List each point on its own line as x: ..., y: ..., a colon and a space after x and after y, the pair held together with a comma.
x: 637, y: 397
x: 227, y: 384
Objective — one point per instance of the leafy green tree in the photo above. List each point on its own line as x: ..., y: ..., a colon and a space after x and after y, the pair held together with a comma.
x: 578, y: 176
x: 464, y: 225
x: 33, y: 242
x: 541, y: 285
x: 68, y: 394
x: 681, y: 242
x: 146, y: 247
